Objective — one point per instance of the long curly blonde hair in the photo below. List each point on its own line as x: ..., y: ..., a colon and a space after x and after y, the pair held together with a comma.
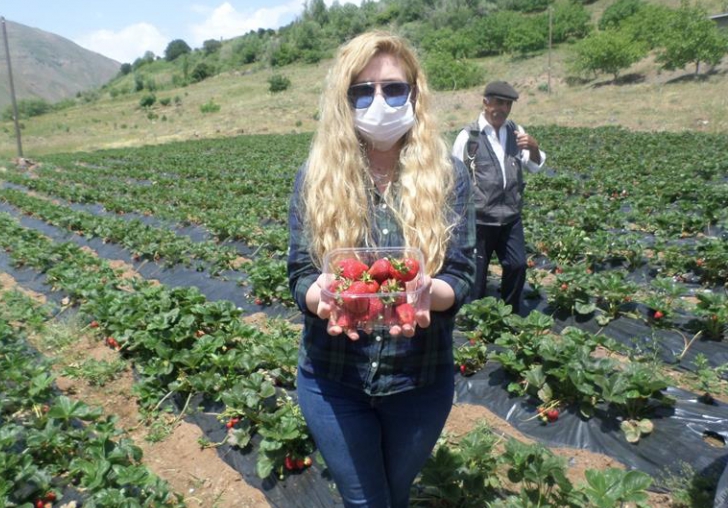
x: 336, y: 186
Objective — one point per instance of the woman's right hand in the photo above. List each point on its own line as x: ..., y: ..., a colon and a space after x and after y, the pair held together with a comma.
x: 326, y: 302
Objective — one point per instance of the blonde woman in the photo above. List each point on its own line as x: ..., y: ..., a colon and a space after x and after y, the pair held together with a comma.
x: 379, y: 174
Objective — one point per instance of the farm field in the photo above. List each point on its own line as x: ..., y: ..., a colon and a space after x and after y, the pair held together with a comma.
x: 151, y: 281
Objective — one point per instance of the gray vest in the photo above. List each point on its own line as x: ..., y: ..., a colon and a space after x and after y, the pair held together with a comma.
x: 494, y: 204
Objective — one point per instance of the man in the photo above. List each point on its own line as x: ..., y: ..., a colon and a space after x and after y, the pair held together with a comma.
x: 496, y: 149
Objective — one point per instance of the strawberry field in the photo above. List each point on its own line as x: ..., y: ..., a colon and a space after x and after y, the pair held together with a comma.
x: 164, y: 254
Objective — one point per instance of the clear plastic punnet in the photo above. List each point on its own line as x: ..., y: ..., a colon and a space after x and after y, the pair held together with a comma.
x: 371, y: 288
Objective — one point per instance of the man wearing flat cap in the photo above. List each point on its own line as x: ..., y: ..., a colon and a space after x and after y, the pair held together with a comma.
x: 496, y: 150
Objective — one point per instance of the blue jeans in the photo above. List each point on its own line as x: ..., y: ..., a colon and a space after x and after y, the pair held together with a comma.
x: 374, y: 447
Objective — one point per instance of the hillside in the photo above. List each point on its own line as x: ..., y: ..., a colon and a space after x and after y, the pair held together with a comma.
x: 239, y: 102
x: 50, y: 67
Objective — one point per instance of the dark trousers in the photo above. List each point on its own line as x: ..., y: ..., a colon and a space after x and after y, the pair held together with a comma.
x: 509, y: 245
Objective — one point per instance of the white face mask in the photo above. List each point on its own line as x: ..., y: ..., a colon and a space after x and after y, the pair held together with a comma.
x: 382, y: 125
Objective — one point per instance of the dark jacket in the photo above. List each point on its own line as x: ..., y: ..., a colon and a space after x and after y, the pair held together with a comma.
x: 494, y: 204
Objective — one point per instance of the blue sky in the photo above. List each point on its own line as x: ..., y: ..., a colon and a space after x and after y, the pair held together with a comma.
x: 125, y: 29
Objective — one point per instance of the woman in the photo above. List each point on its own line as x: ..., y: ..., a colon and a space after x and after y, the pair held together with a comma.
x: 379, y: 174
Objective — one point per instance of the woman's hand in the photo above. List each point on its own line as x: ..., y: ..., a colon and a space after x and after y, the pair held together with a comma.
x: 422, y: 315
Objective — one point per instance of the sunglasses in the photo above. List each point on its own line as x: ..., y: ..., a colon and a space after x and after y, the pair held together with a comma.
x: 395, y: 93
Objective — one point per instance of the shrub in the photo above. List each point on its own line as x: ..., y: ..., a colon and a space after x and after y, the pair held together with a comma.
x: 446, y: 73
x: 202, y: 71
x: 209, y: 107
x: 610, y: 51
x: 28, y: 108
x: 165, y: 102
x: 278, y: 83
x: 147, y: 100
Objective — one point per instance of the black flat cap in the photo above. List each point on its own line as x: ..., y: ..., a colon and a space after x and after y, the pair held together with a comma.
x: 502, y: 90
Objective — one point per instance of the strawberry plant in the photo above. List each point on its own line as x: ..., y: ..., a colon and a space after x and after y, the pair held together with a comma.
x: 615, y: 487
x: 612, y: 291
x: 460, y: 475
x: 712, y: 309
x: 484, y: 319
x: 570, y: 290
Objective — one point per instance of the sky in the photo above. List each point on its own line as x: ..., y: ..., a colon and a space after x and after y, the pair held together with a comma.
x: 125, y: 29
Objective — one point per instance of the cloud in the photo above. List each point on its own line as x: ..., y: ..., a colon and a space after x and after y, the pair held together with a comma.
x: 126, y: 45
x: 226, y: 22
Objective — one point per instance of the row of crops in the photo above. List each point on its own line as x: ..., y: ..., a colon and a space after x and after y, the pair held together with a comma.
x: 627, y: 235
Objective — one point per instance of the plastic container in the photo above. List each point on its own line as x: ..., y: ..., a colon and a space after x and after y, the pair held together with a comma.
x: 393, y: 303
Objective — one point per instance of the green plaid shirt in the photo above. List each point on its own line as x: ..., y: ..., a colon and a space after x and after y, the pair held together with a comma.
x: 378, y: 363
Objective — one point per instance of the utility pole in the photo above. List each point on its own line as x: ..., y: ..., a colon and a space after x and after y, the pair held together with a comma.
x: 12, y: 91
x: 551, y: 9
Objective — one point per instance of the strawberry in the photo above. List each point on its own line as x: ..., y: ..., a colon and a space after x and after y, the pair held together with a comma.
x: 199, y: 333
x: 232, y: 422
x: 463, y: 369
x: 94, y: 324
x: 375, y: 312
x: 112, y: 343
x: 40, y: 503
x: 404, y: 269
x: 392, y: 286
x: 351, y: 268
x: 337, y: 286
x: 346, y: 321
x: 552, y: 415
x: 300, y: 464
x: 50, y: 496
x: 405, y: 314
x: 379, y: 270
x: 289, y: 463
x: 371, y: 284
x: 356, y: 306
x: 659, y: 314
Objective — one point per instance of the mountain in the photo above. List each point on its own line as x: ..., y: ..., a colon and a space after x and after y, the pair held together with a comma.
x: 48, y: 66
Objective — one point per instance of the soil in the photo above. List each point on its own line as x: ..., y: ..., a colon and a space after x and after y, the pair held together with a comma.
x: 199, y: 474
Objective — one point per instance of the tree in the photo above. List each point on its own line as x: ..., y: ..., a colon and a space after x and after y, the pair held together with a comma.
x: 125, y: 69
x: 609, y: 51
x: 175, y: 49
x: 693, y: 38
x: 202, y: 71
x: 618, y: 12
x: 571, y: 21
x: 211, y: 46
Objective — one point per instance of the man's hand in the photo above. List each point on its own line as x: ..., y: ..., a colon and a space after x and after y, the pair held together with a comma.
x: 527, y: 142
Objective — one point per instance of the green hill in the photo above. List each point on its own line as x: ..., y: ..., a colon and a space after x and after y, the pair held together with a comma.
x: 50, y: 67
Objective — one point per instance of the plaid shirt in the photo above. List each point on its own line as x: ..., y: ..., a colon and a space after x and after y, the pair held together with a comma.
x: 378, y: 363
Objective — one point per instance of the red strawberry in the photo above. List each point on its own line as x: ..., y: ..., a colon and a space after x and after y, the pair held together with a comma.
x: 371, y: 284
x: 337, y: 286
x: 659, y: 314
x: 393, y: 286
x: 345, y: 320
x: 351, y: 268
x: 300, y: 464
x: 50, y: 496
x: 463, y: 369
x: 352, y: 303
x: 289, y: 463
x: 94, y: 324
x: 112, y: 343
x: 404, y: 269
x: 405, y: 314
x: 564, y: 286
x: 232, y: 422
x: 40, y: 503
x: 375, y: 312
x: 380, y: 270
x: 552, y: 415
